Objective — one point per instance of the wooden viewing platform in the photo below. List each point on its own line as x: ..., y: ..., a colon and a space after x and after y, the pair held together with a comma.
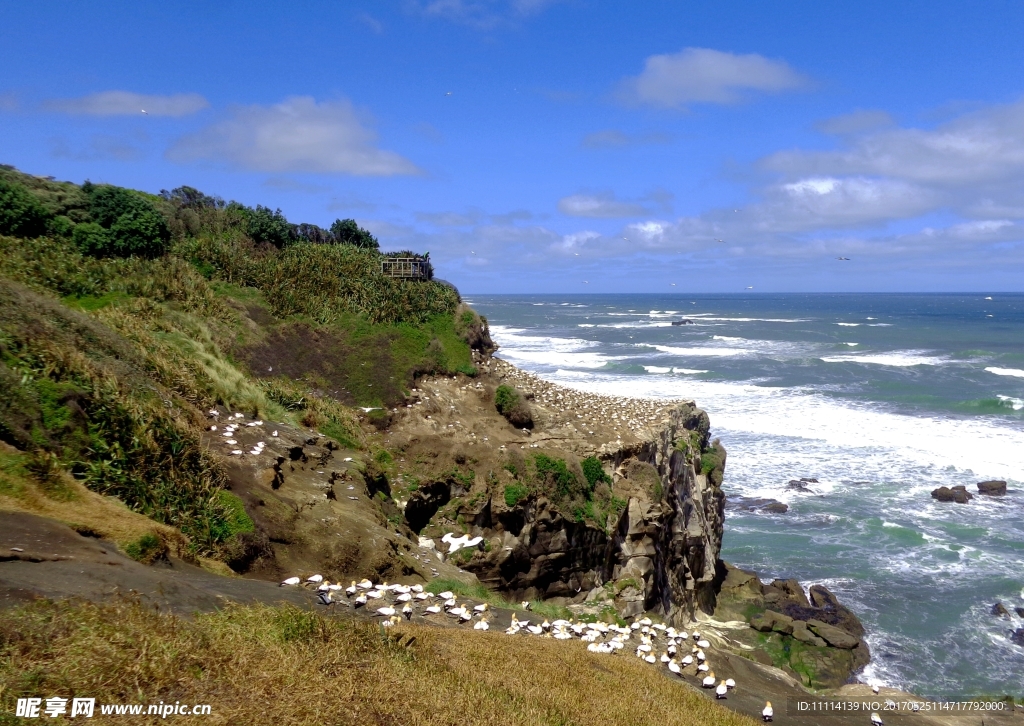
x: 406, y: 268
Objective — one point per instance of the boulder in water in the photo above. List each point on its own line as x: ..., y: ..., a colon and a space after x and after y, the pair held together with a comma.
x: 1000, y: 611
x: 1017, y: 636
x: 682, y: 322
x: 958, y: 494
x: 992, y: 488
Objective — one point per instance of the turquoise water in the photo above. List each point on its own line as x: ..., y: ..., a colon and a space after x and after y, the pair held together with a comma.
x: 882, y: 398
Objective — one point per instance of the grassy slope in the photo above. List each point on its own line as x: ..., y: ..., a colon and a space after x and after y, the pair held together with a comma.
x: 107, y: 365
x: 285, y: 666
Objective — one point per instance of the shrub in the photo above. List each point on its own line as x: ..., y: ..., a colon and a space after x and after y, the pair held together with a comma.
x: 143, y: 233
x: 555, y: 472
x: 20, y: 214
x: 145, y: 549
x: 594, y: 472
x: 91, y: 239
x: 515, y: 493
x: 511, y: 405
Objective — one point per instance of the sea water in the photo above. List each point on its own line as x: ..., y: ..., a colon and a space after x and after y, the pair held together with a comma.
x: 881, y: 398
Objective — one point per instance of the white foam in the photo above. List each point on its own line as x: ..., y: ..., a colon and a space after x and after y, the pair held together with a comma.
x: 849, y: 325
x: 1015, y: 372
x: 929, y: 448
x: 851, y: 344
x: 899, y: 358
x: 586, y: 325
x: 663, y: 369
x: 701, y: 352
x: 1015, y: 403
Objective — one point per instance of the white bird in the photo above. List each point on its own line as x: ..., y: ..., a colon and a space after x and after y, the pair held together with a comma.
x: 144, y: 111
x: 535, y: 629
x: 446, y: 595
x: 874, y: 689
x: 236, y: 452
x: 407, y: 611
x: 417, y: 588
x: 876, y: 720
x: 434, y: 609
x: 526, y: 604
x: 650, y: 658
x: 721, y: 690
x: 674, y: 667
x: 703, y: 644
x: 386, y: 611
x: 360, y: 601
x: 767, y: 713
x: 481, y: 607
x: 709, y: 680
x: 730, y: 683
x: 374, y: 594
x: 325, y: 597
x: 481, y: 625
x: 687, y: 660
x: 291, y: 581
x: 365, y: 584
x: 274, y: 433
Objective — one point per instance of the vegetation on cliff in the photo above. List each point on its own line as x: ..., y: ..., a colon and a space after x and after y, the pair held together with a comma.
x: 125, y: 315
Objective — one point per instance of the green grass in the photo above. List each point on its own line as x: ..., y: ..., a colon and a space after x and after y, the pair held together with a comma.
x: 145, y: 549
x: 515, y: 493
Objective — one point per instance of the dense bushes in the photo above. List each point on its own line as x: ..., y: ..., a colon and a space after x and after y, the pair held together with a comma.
x: 20, y: 214
x: 511, y: 404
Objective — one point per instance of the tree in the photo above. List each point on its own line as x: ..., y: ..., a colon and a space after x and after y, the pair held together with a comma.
x: 21, y: 215
x: 143, y: 233
x: 347, y: 232
x: 264, y: 225
x: 91, y: 239
x: 107, y: 203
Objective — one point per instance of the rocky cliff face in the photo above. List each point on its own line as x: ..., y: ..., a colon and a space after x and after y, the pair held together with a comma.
x: 659, y: 556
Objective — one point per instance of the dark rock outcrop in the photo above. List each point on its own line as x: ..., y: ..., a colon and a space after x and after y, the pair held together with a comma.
x: 1017, y: 637
x: 992, y: 488
x: 660, y: 556
x: 958, y: 494
x: 999, y: 610
x: 756, y: 504
x: 812, y: 634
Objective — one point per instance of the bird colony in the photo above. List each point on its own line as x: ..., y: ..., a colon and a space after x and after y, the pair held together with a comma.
x: 632, y: 415
x: 683, y: 655
x: 230, y: 427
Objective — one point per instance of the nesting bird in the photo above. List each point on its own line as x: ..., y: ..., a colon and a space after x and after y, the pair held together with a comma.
x: 767, y: 713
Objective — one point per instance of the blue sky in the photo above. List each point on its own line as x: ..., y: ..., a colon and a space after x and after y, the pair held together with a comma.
x: 561, y: 146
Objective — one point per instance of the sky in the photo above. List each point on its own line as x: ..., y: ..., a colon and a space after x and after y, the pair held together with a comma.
x: 561, y: 146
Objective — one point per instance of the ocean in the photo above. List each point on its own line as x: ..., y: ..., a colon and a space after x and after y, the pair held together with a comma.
x: 881, y: 398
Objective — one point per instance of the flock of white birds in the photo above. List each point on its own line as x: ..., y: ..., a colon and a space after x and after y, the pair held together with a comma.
x: 682, y: 653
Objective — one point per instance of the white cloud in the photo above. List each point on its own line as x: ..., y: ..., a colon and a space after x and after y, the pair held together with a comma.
x: 571, y: 243
x: 296, y: 135
x: 125, y: 103
x: 980, y: 147
x: 704, y: 75
x: 599, y: 205
x: 482, y: 14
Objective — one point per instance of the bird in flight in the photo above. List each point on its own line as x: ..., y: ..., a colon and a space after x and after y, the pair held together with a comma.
x: 719, y: 240
x: 586, y: 282
x: 448, y: 93
x: 843, y: 258
x: 673, y: 284
x: 750, y: 287
x: 144, y: 111
x: 626, y: 238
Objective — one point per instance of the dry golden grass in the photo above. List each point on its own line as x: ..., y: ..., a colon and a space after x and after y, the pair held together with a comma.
x: 284, y: 666
x: 68, y: 500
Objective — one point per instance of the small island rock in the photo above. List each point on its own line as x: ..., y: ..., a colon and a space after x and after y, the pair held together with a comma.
x: 992, y: 488
x: 958, y: 494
